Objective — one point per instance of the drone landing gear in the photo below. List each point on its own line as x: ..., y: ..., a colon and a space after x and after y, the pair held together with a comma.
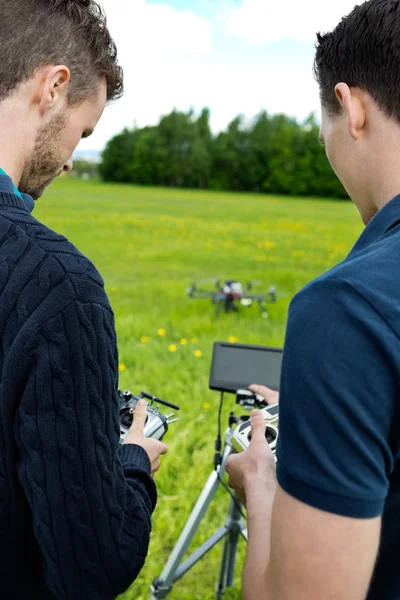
x: 263, y: 308
x: 228, y: 306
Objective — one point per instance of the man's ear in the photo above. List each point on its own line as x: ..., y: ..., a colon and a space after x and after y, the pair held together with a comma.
x: 353, y: 106
x: 54, y: 89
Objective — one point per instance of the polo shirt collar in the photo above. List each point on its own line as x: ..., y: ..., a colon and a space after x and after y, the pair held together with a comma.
x: 384, y: 220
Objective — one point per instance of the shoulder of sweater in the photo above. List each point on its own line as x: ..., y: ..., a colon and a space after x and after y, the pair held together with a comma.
x: 65, y: 258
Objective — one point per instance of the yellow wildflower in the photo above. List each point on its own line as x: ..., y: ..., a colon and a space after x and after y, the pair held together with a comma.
x: 232, y: 339
x: 161, y: 332
x: 184, y: 342
x: 198, y: 354
x: 145, y: 339
x: 270, y: 245
x: 172, y: 348
x: 122, y: 367
x: 206, y: 405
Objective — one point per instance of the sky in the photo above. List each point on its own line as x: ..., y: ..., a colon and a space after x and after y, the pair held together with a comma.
x: 233, y: 56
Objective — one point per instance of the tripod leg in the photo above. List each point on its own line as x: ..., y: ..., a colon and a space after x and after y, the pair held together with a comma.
x: 163, y: 585
x: 236, y: 527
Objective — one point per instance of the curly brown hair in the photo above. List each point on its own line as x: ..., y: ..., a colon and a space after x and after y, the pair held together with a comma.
x: 36, y: 33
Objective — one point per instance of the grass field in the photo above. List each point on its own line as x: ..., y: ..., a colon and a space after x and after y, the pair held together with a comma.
x: 151, y: 244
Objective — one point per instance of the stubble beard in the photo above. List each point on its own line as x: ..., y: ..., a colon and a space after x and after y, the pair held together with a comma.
x: 45, y: 163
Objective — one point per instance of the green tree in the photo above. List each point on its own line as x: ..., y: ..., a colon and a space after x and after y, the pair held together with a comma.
x: 260, y: 152
x: 84, y: 168
x: 118, y: 156
x: 270, y: 154
x: 150, y: 159
x: 231, y: 158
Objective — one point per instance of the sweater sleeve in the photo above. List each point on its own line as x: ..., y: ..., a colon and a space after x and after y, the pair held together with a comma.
x: 91, y: 499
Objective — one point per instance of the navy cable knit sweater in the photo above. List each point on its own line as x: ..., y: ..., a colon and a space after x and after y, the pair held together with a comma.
x: 75, y: 507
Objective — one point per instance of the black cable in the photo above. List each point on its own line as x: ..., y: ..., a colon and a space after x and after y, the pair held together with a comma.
x: 219, y: 414
x: 236, y: 501
x: 218, y: 458
x: 218, y: 441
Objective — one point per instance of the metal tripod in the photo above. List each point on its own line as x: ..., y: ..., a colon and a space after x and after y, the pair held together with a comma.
x: 234, y: 527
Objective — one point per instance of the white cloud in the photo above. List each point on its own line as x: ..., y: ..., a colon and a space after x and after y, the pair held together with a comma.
x: 262, y: 21
x: 144, y: 29
x: 158, y: 47
x: 170, y: 62
x: 247, y: 90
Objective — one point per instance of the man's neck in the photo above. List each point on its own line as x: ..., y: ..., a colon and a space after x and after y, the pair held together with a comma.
x: 378, y: 168
x: 15, y: 135
x: 11, y: 165
x: 385, y: 191
x: 377, y: 177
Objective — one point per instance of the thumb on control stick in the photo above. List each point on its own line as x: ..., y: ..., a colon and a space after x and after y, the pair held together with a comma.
x: 258, y: 427
x: 139, y: 417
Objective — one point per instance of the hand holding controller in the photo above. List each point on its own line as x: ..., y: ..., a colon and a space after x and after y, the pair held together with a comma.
x: 253, y: 467
x: 156, y: 424
x: 136, y: 435
x: 145, y: 425
x: 243, y: 434
x: 266, y: 395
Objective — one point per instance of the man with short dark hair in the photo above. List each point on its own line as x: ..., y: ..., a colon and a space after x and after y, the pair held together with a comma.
x: 75, y: 507
x: 329, y: 527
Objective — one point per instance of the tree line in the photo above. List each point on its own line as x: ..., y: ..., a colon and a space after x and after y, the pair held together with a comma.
x: 272, y: 154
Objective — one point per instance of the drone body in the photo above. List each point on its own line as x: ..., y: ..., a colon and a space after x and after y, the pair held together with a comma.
x: 232, y: 294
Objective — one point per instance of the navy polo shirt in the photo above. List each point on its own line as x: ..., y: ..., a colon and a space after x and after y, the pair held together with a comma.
x: 339, y: 443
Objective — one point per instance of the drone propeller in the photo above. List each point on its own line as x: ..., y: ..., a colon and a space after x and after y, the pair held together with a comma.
x: 197, y: 294
x: 270, y: 296
x: 256, y: 282
x: 191, y: 290
x: 253, y: 283
x: 279, y: 294
x: 228, y: 292
x: 207, y: 280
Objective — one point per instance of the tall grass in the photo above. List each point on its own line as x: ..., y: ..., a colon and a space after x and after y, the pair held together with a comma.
x: 149, y: 245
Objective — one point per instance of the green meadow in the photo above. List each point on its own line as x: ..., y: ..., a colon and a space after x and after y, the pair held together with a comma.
x: 151, y: 244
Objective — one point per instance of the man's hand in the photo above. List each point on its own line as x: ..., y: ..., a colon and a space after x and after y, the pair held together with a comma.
x: 269, y: 396
x: 135, y: 435
x: 253, y: 470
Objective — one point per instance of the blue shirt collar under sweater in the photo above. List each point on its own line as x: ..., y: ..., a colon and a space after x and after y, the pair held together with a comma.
x: 7, y: 186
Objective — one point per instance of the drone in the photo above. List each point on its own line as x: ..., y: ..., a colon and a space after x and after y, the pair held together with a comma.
x: 231, y: 295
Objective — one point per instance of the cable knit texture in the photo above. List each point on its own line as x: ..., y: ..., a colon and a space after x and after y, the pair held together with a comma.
x: 75, y: 507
